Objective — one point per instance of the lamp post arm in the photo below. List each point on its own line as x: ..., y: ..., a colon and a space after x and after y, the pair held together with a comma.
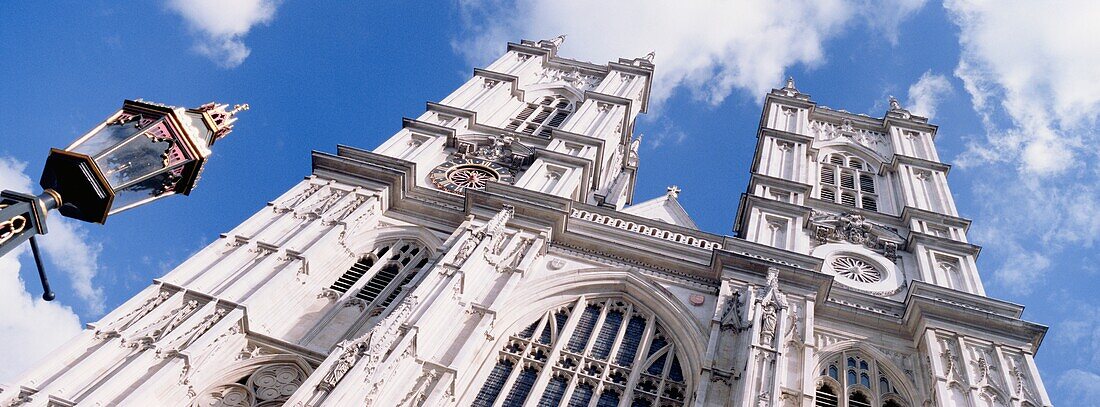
x: 23, y: 216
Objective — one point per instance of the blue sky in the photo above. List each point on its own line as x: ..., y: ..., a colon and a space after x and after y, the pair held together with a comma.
x: 1013, y: 88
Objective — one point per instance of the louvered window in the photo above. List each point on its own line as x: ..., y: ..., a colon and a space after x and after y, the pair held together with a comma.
x: 388, y: 270
x: 848, y: 198
x: 826, y: 397
x: 869, y: 203
x: 542, y: 117
x: 584, y: 371
x: 867, y: 183
x: 858, y: 399
x: 847, y: 180
x: 856, y: 182
x: 828, y: 175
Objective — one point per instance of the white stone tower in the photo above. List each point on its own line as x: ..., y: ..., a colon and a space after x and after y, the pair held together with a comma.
x: 490, y: 254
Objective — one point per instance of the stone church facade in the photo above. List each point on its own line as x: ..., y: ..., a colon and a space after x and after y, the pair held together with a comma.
x: 490, y: 253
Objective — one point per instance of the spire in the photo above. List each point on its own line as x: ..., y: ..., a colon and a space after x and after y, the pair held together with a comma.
x: 223, y: 119
x: 789, y: 89
x: 649, y: 57
x: 556, y: 41
x: 894, y: 105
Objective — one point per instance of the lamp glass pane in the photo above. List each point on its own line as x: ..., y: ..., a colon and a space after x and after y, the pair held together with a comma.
x: 157, y: 186
x: 137, y: 157
x: 107, y: 137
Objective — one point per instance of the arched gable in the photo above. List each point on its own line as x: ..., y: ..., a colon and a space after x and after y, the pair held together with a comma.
x: 535, y: 92
x: 866, y: 154
x: 893, y: 373
x: 364, y: 241
x: 537, y: 296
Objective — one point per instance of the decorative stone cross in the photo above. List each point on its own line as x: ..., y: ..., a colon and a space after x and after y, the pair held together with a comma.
x: 673, y: 191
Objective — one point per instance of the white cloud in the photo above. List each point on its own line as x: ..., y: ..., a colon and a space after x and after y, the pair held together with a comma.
x: 926, y: 93
x: 29, y: 326
x: 1042, y: 79
x: 1036, y: 92
x: 1080, y: 385
x: 223, y: 24
x: 709, y: 47
x: 64, y: 245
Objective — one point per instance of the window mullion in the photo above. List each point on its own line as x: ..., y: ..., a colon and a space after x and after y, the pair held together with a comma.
x: 670, y: 354
x: 596, y: 329
x: 506, y: 388
x: 636, y: 367
x: 508, y: 384
x: 555, y: 351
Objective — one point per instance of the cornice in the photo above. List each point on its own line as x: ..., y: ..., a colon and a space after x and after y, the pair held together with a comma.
x: 503, y: 77
x: 931, y: 306
x: 919, y: 162
x: 944, y: 244
x: 756, y: 178
x: 909, y: 213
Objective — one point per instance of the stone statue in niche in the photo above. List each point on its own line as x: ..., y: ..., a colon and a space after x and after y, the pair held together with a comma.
x: 767, y: 323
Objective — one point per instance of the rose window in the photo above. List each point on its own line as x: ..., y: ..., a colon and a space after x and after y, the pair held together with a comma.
x: 856, y: 269
x: 472, y: 176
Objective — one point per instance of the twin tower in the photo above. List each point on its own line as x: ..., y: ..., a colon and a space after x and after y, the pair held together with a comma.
x: 491, y: 253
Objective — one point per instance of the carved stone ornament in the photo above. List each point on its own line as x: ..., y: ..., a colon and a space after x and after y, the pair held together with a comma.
x: 371, y: 347
x: 572, y: 77
x: 771, y: 302
x: 732, y: 317
x: 132, y: 317
x: 555, y: 264
x: 826, y: 131
x: 855, y: 229
x: 492, y: 231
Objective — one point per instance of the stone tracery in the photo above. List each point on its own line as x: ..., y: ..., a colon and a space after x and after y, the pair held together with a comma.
x: 615, y: 351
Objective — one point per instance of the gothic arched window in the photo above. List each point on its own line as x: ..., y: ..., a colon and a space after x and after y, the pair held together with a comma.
x: 604, y: 349
x: 850, y: 179
x: 390, y: 267
x: 542, y: 117
x: 847, y: 381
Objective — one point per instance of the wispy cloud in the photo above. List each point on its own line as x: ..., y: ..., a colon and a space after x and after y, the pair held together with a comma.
x: 1080, y: 385
x: 667, y: 134
x: 710, y: 48
x: 222, y: 25
x: 1040, y: 79
x: 1035, y: 165
x: 926, y: 93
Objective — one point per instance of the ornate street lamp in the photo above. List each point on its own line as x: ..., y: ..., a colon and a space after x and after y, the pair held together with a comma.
x: 144, y: 152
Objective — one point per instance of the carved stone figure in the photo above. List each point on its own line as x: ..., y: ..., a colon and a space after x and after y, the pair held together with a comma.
x: 767, y: 324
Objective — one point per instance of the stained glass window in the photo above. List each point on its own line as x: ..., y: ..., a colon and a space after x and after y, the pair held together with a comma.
x: 595, y: 362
